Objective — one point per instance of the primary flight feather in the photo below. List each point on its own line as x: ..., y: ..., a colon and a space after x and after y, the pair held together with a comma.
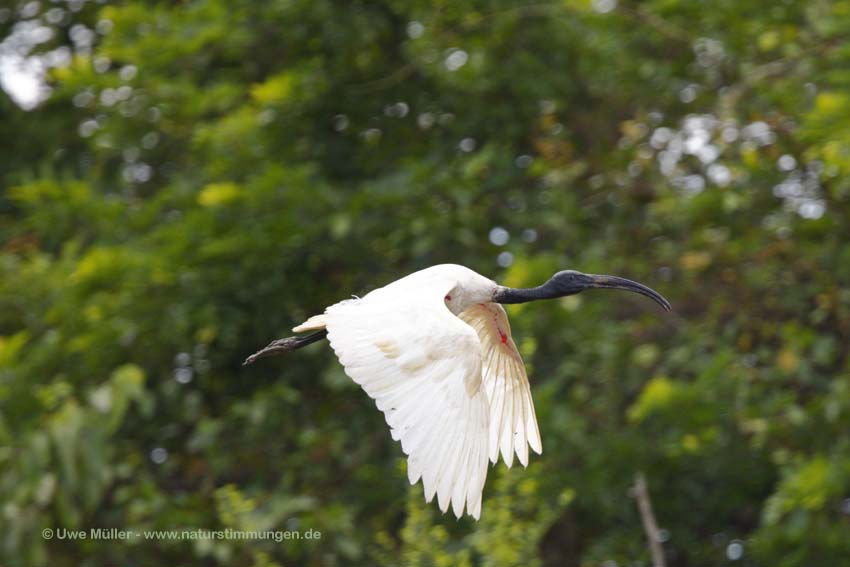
x: 435, y: 352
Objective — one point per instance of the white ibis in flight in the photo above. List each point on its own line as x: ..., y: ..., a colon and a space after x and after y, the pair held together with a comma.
x: 434, y: 350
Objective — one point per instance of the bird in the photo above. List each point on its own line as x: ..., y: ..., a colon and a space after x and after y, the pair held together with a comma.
x: 434, y: 350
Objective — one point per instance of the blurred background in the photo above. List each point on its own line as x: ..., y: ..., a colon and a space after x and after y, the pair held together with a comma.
x: 183, y: 181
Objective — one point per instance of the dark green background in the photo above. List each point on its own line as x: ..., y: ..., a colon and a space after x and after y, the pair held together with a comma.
x: 207, y: 173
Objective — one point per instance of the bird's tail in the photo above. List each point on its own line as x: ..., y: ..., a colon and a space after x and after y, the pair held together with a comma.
x: 314, y: 323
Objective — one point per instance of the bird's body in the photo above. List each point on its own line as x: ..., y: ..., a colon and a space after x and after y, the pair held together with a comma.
x: 435, y: 352
x: 422, y: 347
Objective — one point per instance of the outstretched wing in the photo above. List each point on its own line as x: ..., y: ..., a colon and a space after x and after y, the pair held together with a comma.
x: 422, y: 366
x: 513, y: 424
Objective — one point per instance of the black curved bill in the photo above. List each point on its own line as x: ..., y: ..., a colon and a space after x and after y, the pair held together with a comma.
x: 613, y: 282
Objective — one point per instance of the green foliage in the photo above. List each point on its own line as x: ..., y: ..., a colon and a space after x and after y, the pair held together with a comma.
x: 208, y: 173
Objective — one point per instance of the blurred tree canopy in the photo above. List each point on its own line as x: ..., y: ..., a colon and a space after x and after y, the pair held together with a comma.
x: 207, y: 173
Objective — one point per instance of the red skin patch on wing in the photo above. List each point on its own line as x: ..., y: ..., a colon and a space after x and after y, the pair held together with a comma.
x: 502, y: 335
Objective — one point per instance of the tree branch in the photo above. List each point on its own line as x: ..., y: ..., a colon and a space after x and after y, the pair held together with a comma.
x: 640, y: 492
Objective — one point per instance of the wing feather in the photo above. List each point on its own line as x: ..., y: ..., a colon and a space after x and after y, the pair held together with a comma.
x: 422, y: 366
x: 513, y: 423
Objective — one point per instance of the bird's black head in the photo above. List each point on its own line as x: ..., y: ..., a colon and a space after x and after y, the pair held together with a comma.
x: 570, y: 282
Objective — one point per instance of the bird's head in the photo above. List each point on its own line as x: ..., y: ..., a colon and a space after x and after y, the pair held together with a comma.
x: 571, y: 282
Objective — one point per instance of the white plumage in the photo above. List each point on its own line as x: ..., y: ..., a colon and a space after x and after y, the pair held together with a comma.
x: 436, y: 355
x: 434, y: 350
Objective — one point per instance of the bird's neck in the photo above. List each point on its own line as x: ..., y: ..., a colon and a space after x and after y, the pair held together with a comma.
x: 526, y: 294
